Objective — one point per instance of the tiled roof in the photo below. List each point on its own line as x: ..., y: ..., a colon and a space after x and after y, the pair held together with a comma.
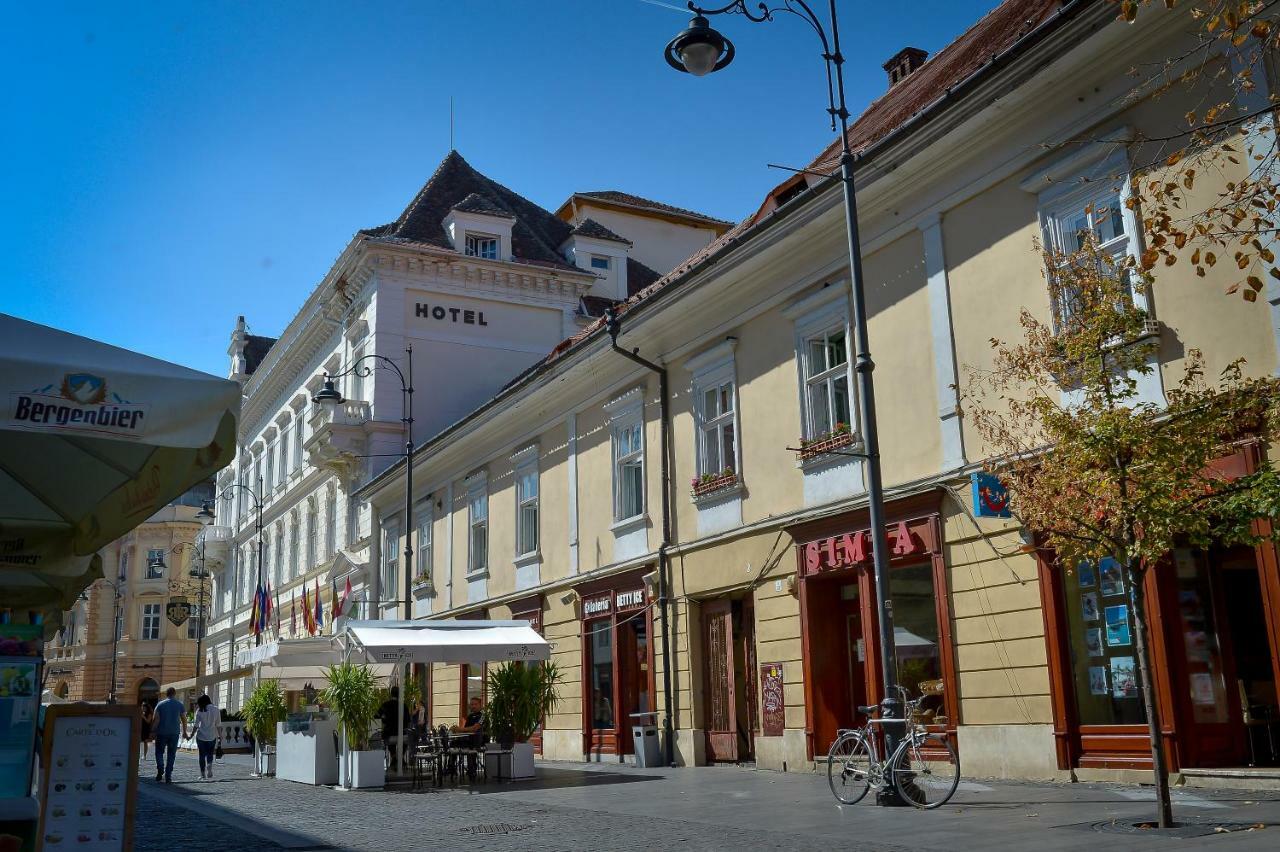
x: 535, y: 234
x: 256, y: 348
x: 592, y: 228
x: 477, y: 203
x: 618, y: 197
x: 595, y: 306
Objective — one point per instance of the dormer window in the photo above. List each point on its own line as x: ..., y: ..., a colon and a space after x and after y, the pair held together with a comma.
x: 600, y: 262
x: 482, y: 245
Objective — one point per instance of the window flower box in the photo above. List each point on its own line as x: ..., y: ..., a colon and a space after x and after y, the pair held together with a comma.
x: 828, y: 442
x: 712, y: 482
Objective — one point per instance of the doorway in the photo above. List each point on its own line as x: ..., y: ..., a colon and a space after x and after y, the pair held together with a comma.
x: 729, y: 680
x: 148, y: 691
x: 837, y: 655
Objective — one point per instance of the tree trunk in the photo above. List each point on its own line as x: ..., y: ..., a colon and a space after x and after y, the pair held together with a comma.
x: 1164, y: 806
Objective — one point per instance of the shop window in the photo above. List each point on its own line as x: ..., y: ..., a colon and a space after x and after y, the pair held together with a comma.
x: 917, y: 636
x: 601, y: 673
x: 1103, y: 661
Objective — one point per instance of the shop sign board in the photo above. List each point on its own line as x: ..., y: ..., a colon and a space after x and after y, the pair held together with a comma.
x: 597, y: 605
x: 990, y: 497
x: 852, y: 549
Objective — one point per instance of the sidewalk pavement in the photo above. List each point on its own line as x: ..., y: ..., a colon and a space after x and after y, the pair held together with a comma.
x: 575, y: 806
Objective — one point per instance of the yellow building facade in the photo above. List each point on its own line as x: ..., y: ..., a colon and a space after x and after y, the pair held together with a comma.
x: 744, y: 615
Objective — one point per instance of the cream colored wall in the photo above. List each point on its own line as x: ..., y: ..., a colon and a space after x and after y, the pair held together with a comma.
x: 657, y: 243
x: 553, y: 502
x: 561, y: 627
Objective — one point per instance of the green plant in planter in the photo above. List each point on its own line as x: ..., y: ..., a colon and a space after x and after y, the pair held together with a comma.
x: 354, y: 698
x: 263, y: 709
x: 520, y: 697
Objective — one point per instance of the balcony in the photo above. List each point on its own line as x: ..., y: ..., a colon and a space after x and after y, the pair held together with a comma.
x: 217, y: 546
x: 339, y: 436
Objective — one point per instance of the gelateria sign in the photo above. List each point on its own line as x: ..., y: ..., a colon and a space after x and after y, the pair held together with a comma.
x: 848, y: 550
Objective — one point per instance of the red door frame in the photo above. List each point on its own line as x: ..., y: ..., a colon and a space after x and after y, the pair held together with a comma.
x: 631, y: 590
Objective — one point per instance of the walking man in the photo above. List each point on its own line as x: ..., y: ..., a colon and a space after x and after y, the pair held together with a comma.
x: 170, y: 721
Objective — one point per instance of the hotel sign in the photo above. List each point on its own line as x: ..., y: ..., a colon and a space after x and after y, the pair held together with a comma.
x: 448, y: 313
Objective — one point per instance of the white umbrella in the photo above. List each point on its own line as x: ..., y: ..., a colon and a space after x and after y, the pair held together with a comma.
x: 93, y: 440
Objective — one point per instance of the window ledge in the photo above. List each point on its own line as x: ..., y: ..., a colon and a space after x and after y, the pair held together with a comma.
x: 715, y: 495
x: 478, y: 575
x: 424, y: 589
x: 631, y: 524
x: 820, y: 460
x: 534, y: 558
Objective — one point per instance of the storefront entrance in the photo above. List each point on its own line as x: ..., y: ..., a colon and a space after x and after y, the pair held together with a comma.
x: 839, y: 627
x: 1215, y: 651
x: 729, y: 679
x: 617, y: 664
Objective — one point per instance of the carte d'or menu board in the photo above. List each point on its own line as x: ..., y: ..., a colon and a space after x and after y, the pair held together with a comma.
x: 90, y: 778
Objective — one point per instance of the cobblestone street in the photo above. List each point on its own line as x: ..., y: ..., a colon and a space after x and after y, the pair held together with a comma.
x: 573, y: 807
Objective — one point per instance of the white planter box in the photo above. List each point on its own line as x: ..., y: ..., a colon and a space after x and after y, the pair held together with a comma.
x: 522, y: 760
x: 368, y: 769
x: 266, y: 763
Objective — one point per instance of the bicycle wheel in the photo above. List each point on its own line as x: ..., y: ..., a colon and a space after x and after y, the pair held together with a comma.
x: 926, y: 771
x: 849, y: 768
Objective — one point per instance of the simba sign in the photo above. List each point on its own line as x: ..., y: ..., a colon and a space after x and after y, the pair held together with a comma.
x: 81, y: 403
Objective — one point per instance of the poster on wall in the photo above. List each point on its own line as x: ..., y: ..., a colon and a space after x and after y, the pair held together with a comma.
x: 1089, y: 606
x: 1093, y: 642
x: 1098, y: 680
x: 774, y: 717
x: 1124, y: 679
x: 1088, y: 576
x: 1112, y: 577
x: 20, y: 661
x: 1117, y: 622
x: 90, y: 779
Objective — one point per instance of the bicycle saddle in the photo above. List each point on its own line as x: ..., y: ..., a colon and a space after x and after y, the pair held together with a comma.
x: 868, y: 709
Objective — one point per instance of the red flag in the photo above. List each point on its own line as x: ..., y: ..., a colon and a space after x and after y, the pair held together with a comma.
x: 346, y: 595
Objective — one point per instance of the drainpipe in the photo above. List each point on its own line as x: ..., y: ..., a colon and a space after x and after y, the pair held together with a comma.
x: 614, y: 327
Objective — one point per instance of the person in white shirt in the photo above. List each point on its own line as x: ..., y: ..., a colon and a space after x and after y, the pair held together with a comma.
x: 208, y: 724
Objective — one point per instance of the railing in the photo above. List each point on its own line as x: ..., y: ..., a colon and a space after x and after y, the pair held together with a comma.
x: 234, y: 738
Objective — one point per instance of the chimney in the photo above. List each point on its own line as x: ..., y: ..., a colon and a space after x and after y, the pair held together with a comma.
x: 904, y: 63
x: 236, y: 351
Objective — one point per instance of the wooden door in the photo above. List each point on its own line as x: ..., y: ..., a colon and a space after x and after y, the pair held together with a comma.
x: 748, y: 711
x: 720, y: 712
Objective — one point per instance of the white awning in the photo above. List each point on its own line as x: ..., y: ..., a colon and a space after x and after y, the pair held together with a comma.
x: 93, y: 440
x: 317, y: 651
x: 447, y: 641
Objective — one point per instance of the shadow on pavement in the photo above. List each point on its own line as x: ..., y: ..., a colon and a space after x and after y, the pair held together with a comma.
x: 547, y: 779
x: 202, y: 808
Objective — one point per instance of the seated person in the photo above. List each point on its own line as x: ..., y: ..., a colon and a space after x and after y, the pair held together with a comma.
x: 474, y: 725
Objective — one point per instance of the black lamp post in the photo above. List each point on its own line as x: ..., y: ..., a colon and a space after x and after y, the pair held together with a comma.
x: 330, y: 397
x: 257, y: 506
x: 118, y: 588
x: 699, y: 50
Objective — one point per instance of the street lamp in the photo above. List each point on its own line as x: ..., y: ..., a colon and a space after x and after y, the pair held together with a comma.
x: 118, y: 588
x: 257, y: 506
x: 699, y: 50
x: 330, y: 398
x: 198, y: 573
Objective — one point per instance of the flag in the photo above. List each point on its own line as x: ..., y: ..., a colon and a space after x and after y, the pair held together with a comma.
x: 264, y: 611
x: 253, y: 615
x: 306, y: 610
x: 334, y: 611
x: 346, y: 595
x: 319, y: 616
x: 277, y: 611
x: 293, y: 614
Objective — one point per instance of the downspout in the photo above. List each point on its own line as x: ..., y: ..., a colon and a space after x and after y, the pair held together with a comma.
x: 614, y: 327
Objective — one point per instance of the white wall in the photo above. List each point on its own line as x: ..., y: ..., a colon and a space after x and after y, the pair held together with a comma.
x: 657, y: 243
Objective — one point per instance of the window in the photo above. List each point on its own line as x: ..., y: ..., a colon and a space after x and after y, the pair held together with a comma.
x: 297, y: 441
x: 155, y: 563
x: 151, y: 621
x: 242, y: 495
x: 422, y: 567
x: 277, y: 573
x: 390, y: 559
x: 195, y: 624
x: 628, y: 468
x: 271, y: 467
x: 1096, y: 213
x: 527, y: 508
x: 331, y: 525
x: 313, y: 531
x: 357, y: 377
x: 825, y: 362
x: 294, y: 550
x: 266, y: 561
x: 124, y: 563
x: 1096, y: 603
x: 284, y: 456
x: 478, y: 553
x: 717, y: 445
x: 599, y: 262
x: 601, y: 669
x: 353, y: 520
x: 482, y: 245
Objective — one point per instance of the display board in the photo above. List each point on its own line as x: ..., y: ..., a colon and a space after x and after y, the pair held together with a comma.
x: 774, y: 716
x: 89, y: 788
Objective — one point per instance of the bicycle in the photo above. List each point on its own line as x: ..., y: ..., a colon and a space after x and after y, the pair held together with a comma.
x: 923, y: 767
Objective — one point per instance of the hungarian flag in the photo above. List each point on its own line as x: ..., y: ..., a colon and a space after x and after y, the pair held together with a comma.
x: 319, y: 615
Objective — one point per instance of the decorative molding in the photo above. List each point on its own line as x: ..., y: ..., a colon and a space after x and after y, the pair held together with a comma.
x: 713, y: 358
x: 525, y: 455
x: 625, y: 403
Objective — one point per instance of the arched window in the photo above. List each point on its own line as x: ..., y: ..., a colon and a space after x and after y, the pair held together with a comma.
x: 313, y: 531
x: 331, y: 523
x: 293, y: 544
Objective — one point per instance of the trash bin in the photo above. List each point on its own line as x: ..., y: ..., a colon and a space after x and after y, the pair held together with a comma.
x: 644, y: 739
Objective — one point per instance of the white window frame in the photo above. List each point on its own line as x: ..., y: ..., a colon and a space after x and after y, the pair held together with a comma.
x: 827, y: 377
x: 150, y: 622
x: 714, y: 369
x: 477, y: 525
x: 389, y: 571
x: 270, y: 468
x: 313, y: 531
x: 472, y: 245
x: 819, y: 315
x: 527, y: 503
x: 294, y: 544
x: 297, y: 441
x: 195, y: 622
x: 282, y: 475
x: 423, y: 562
x: 357, y: 379
x: 626, y: 417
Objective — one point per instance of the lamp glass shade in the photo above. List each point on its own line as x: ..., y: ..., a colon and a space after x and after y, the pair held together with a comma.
x: 699, y: 57
x: 328, y: 395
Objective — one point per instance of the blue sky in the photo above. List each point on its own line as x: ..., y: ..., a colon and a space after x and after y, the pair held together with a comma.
x: 167, y: 166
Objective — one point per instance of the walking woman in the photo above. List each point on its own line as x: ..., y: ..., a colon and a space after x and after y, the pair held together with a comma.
x: 208, y: 720
x: 144, y: 735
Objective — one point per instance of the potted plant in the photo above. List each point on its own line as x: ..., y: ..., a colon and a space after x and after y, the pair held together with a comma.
x: 354, y: 698
x: 262, y: 711
x: 520, y: 697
